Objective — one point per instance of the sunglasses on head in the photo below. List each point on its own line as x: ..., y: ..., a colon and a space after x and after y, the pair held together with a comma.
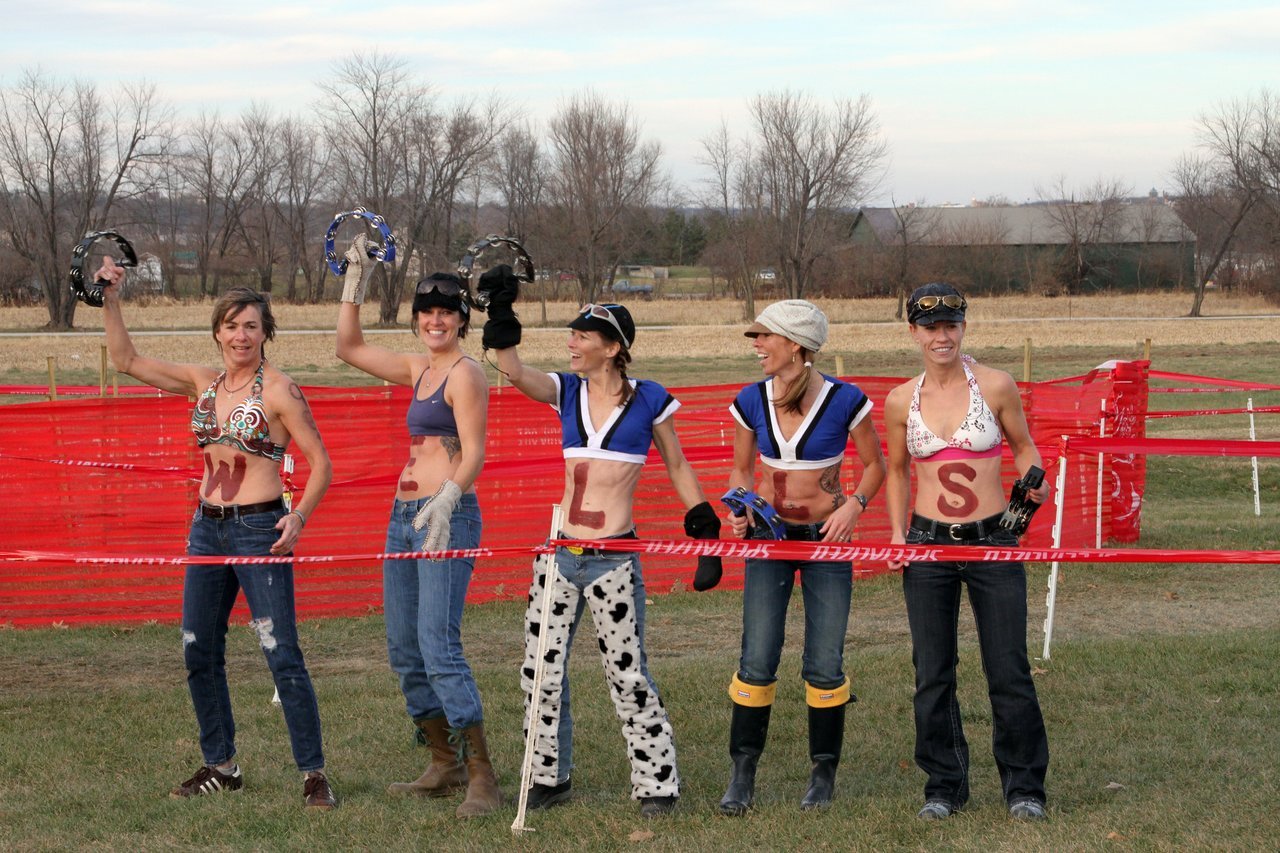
x: 950, y: 300
x: 602, y: 312
x: 443, y: 286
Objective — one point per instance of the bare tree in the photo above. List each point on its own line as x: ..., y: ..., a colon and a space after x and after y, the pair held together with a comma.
x: 914, y: 226
x: 217, y: 165
x: 304, y: 158
x: 734, y: 192
x: 396, y: 153
x: 785, y: 192
x: 600, y: 175
x: 811, y: 164
x: 1236, y: 170
x: 66, y: 158
x: 1085, y: 219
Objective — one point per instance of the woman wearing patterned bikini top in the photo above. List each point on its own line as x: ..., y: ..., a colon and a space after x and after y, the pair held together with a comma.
x: 950, y: 422
x: 245, y: 417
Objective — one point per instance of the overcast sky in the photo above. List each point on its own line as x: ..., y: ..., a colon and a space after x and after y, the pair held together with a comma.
x: 975, y: 98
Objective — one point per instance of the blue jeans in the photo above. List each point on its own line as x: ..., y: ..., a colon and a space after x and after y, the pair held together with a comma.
x: 582, y: 570
x: 827, y: 588
x: 422, y: 601
x: 998, y: 598
x: 207, y: 597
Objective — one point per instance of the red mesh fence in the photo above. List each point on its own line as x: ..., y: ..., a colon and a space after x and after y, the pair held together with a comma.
x: 87, y: 478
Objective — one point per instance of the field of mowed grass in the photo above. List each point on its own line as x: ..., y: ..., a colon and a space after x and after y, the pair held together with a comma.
x: 1161, y: 695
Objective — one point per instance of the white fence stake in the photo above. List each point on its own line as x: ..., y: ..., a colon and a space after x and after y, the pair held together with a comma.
x: 1253, y: 436
x: 535, y: 695
x: 1059, y: 499
x: 1102, y: 433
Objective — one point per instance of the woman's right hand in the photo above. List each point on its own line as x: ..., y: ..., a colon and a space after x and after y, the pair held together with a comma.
x: 897, y: 565
x: 739, y: 525
x: 111, y: 276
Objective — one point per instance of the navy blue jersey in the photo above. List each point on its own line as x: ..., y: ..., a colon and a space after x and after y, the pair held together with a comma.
x: 626, y: 435
x: 820, y: 440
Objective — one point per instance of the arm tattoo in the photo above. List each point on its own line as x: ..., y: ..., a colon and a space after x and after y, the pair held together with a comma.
x: 452, y: 445
x: 830, y: 483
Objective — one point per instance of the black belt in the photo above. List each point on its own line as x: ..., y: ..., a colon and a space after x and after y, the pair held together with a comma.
x: 792, y: 532
x: 237, y: 510
x: 578, y: 551
x: 965, y: 531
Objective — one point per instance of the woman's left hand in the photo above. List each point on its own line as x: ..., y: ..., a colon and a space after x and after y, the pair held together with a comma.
x: 839, y: 525
x: 290, y: 528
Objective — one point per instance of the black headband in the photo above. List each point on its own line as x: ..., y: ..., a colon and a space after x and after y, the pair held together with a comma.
x: 90, y: 293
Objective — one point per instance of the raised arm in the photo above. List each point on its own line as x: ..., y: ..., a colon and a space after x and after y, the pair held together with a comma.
x: 533, y: 383
x: 188, y: 379
x: 385, y: 364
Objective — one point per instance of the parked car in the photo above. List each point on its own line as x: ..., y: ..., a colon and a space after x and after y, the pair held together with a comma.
x: 627, y: 287
x: 767, y: 274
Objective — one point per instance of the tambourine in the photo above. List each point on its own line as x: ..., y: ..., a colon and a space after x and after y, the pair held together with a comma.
x: 90, y: 292
x: 739, y: 500
x: 524, y: 264
x: 385, y: 253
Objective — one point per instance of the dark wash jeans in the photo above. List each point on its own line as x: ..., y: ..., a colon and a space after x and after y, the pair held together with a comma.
x: 207, y: 597
x: 998, y: 598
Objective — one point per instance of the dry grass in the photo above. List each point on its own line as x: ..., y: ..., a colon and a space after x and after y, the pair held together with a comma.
x: 676, y: 328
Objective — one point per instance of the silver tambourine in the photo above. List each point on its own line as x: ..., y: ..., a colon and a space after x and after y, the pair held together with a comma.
x: 385, y: 253
x: 523, y: 270
x: 90, y: 292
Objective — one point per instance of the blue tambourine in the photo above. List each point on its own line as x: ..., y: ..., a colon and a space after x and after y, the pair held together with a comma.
x: 739, y: 500
x: 385, y: 253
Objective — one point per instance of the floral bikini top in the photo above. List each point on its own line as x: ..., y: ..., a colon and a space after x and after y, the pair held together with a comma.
x: 978, y: 435
x: 246, y: 428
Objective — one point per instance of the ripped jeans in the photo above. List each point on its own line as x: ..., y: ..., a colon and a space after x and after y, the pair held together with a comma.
x: 208, y: 595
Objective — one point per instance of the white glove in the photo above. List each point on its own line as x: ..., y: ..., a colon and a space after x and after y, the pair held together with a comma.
x: 360, y: 269
x: 435, y: 515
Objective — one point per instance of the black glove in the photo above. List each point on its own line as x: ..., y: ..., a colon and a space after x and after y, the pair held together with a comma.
x: 701, y: 522
x: 501, y: 287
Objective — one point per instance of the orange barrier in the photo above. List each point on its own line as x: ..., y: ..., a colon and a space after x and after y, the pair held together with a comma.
x: 118, y: 477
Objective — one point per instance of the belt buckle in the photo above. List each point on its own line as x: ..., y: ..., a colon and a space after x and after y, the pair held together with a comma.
x: 575, y: 550
x: 951, y: 529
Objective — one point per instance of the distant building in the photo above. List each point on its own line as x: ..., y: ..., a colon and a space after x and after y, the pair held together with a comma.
x: 1044, y: 248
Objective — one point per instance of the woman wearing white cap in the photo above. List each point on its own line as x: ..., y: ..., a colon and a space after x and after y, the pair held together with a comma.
x: 799, y: 422
x: 608, y: 422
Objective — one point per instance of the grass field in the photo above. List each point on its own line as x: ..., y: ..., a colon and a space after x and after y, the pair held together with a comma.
x: 1162, y: 697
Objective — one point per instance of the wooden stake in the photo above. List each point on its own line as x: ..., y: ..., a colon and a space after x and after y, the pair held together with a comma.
x: 839, y: 365
x: 53, y: 386
x: 102, y: 373
x: 1026, y: 360
x: 1146, y: 350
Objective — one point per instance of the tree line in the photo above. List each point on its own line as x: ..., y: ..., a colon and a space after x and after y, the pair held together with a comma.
x: 220, y: 198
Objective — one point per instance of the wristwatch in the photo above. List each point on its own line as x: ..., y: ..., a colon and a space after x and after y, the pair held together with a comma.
x: 860, y: 498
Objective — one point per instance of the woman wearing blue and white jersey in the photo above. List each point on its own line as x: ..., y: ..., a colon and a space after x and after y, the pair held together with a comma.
x: 798, y: 422
x: 608, y: 422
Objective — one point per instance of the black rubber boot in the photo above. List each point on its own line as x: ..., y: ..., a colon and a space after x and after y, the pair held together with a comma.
x: 747, y: 733
x: 826, y: 736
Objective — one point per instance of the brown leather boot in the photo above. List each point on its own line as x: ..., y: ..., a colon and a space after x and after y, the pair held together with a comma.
x: 445, y: 774
x: 483, y: 795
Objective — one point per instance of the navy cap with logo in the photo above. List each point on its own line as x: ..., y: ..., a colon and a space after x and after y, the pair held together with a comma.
x: 611, y: 320
x: 936, y: 302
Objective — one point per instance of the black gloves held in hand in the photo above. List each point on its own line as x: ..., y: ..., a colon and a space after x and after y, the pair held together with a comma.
x: 701, y: 522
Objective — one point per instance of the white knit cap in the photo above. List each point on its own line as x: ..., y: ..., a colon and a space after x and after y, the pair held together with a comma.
x: 796, y: 320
